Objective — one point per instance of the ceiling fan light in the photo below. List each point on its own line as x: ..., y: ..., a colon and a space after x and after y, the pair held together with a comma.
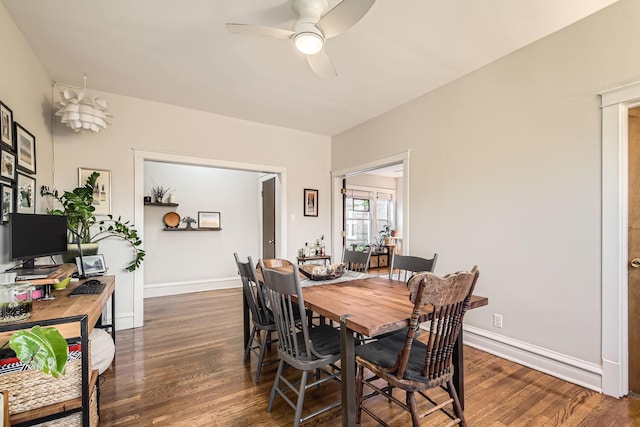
x: 308, y: 43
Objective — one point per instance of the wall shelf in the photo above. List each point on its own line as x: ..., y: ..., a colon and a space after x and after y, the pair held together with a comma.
x: 159, y: 204
x: 191, y: 229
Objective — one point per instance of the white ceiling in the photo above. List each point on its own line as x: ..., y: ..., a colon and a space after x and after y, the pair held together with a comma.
x: 179, y: 52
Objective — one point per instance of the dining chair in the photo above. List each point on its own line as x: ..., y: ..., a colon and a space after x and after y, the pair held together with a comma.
x: 261, y: 316
x: 356, y: 260
x: 300, y: 347
x: 418, y: 365
x: 404, y: 266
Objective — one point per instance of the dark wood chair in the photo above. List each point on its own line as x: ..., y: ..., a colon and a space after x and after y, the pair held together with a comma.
x: 276, y: 262
x: 300, y: 347
x: 419, y: 365
x: 404, y: 266
x: 356, y: 260
x: 261, y: 316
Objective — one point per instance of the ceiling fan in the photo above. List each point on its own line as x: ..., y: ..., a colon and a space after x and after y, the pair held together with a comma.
x: 314, y: 25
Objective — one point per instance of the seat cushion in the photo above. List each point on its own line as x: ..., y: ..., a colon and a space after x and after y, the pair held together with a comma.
x: 325, y: 339
x: 383, y: 353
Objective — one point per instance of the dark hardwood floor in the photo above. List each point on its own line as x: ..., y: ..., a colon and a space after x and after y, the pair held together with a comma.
x: 184, y: 368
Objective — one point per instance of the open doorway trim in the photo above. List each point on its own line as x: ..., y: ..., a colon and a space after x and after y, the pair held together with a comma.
x: 336, y: 196
x: 140, y: 156
x: 615, y: 184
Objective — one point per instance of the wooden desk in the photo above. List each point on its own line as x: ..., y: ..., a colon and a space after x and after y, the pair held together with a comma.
x: 370, y: 307
x: 73, y: 317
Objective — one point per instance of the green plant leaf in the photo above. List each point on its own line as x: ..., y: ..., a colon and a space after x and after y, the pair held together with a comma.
x: 43, y: 348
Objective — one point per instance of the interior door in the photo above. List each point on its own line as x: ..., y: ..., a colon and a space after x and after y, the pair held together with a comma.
x: 634, y: 250
x: 269, y: 218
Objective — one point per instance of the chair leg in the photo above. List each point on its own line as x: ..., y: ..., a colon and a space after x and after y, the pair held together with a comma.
x: 276, y: 382
x: 413, y: 408
x: 249, y: 344
x: 300, y: 402
x: 457, y: 408
x: 359, y: 391
x: 263, y: 345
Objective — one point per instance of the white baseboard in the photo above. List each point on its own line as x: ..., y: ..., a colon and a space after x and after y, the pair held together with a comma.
x: 585, y: 374
x: 176, y: 288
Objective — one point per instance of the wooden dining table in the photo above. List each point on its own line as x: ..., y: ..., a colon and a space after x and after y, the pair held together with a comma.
x: 369, y: 306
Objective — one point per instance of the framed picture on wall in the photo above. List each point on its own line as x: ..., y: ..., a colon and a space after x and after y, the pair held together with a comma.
x: 101, y: 191
x: 6, y: 126
x: 25, y: 149
x: 25, y: 194
x: 208, y: 219
x: 6, y: 196
x: 7, y: 165
x: 310, y: 202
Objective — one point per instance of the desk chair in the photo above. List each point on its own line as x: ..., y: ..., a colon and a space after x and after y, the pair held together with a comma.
x: 261, y: 315
x: 356, y: 260
x: 300, y: 347
x: 420, y: 365
x: 407, y: 265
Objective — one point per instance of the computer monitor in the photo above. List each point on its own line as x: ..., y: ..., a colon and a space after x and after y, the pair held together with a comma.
x: 34, y: 235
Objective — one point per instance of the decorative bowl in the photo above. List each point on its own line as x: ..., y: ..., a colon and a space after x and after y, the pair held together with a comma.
x: 61, y: 285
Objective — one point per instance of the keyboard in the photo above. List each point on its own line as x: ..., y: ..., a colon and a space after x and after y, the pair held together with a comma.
x: 90, y: 287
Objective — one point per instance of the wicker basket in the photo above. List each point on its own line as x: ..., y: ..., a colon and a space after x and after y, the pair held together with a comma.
x: 75, y: 420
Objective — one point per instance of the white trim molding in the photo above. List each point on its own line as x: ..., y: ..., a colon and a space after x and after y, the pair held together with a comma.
x: 615, y: 338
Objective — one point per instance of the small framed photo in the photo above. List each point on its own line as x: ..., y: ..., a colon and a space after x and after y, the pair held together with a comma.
x: 7, y: 165
x: 102, y: 190
x: 6, y: 195
x: 6, y: 126
x: 26, y: 149
x: 92, y: 265
x: 208, y: 219
x: 25, y: 194
x: 310, y: 202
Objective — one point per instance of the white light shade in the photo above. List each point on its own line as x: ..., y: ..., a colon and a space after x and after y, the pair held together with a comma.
x: 79, y: 111
x: 308, y: 43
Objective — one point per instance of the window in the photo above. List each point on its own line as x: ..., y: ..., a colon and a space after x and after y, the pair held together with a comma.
x: 366, y: 213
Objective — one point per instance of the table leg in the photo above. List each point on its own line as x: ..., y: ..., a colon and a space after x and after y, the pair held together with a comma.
x: 348, y: 373
x: 458, y: 368
x: 246, y: 321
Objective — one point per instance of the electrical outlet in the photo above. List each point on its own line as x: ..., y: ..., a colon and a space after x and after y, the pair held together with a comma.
x: 497, y: 320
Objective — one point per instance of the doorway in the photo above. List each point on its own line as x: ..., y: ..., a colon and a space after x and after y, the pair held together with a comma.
x: 634, y: 250
x: 268, y: 197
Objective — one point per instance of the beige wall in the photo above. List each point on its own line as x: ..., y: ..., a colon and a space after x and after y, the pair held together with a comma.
x: 505, y: 173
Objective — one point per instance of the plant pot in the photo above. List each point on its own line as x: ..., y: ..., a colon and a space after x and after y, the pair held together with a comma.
x: 73, y: 252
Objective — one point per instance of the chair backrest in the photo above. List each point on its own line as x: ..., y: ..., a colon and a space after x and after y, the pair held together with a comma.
x: 448, y: 298
x: 404, y: 266
x: 276, y: 262
x: 253, y: 292
x: 356, y: 260
x: 282, y: 289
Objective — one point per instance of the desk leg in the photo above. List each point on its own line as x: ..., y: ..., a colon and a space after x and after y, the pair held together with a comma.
x: 348, y: 373
x: 458, y: 368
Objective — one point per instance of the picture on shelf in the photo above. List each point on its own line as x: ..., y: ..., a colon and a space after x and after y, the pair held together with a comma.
x: 92, y: 265
x: 101, y: 191
x: 208, y: 219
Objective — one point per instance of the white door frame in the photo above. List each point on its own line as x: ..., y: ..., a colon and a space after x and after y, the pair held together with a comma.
x: 615, y: 185
x: 140, y: 156
x: 336, y: 196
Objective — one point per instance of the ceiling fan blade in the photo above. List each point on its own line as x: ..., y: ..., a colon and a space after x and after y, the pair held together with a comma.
x: 342, y: 17
x: 257, y: 30
x: 321, y: 65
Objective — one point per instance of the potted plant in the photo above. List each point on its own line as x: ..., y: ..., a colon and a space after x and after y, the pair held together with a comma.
x: 85, y: 228
x: 42, y: 348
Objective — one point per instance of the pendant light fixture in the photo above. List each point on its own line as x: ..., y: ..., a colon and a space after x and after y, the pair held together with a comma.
x: 81, y: 112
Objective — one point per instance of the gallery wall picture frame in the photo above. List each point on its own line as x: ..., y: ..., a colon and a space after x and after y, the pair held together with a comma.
x: 6, y: 126
x: 310, y: 202
x: 25, y: 201
x: 209, y: 220
x: 7, y: 165
x: 6, y: 197
x: 25, y: 148
x: 102, y: 190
